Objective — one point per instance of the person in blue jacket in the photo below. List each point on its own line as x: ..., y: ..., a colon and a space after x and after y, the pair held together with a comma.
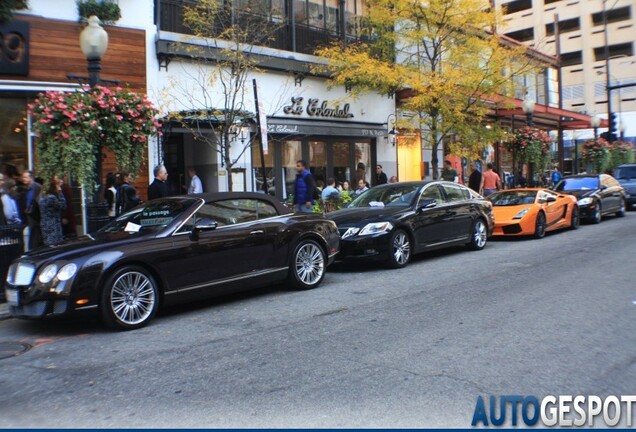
x: 303, y: 189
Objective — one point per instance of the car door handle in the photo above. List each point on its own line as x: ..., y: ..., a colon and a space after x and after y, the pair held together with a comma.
x: 257, y: 232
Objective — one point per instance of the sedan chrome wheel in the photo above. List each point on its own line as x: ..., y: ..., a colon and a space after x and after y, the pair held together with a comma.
x: 129, y: 299
x: 400, y: 249
x: 309, y: 264
x: 479, y: 236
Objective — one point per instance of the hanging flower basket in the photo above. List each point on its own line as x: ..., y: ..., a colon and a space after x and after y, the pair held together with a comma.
x: 531, y: 145
x: 596, y: 152
x: 621, y: 152
x: 73, y: 127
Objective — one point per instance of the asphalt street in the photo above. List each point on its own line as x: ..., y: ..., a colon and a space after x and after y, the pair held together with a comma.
x: 370, y: 348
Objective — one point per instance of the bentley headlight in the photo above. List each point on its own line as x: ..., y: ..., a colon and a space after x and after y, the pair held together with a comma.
x: 67, y: 272
x: 48, y: 273
x: 522, y: 213
x: 586, y: 201
x: 376, y: 228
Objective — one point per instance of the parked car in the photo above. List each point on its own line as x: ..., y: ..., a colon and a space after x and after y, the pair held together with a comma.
x: 626, y: 176
x: 598, y: 195
x: 391, y: 222
x: 520, y: 212
x: 173, y: 250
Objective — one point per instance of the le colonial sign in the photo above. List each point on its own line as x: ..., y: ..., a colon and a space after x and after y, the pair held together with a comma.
x: 315, y: 108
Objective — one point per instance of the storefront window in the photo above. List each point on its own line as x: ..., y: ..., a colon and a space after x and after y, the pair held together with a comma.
x: 316, y: 13
x: 318, y: 160
x: 332, y: 14
x: 258, y: 168
x: 300, y: 11
x: 341, y: 165
x: 363, y: 161
x: 13, y: 137
x: 291, y: 152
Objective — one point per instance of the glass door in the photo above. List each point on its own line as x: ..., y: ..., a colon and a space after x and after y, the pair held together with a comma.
x: 318, y: 162
x: 291, y: 151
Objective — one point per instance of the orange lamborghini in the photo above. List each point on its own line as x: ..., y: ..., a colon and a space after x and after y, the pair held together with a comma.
x: 520, y: 212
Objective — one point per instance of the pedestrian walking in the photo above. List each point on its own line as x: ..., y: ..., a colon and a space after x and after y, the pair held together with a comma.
x: 52, y: 202
x: 556, y: 176
x: 448, y: 173
x: 474, y: 180
x: 490, y: 181
x: 127, y: 196
x: 30, y: 210
x: 195, y: 182
x: 304, y: 187
x: 159, y: 186
x: 380, y: 176
x: 110, y: 195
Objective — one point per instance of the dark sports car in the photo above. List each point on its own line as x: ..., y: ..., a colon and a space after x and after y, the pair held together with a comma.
x: 173, y: 250
x: 597, y: 194
x: 390, y: 222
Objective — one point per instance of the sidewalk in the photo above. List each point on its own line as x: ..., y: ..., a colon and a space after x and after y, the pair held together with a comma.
x: 4, y: 311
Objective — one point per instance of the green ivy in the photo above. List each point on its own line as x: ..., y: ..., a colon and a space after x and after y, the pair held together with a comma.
x: 8, y: 7
x: 108, y: 12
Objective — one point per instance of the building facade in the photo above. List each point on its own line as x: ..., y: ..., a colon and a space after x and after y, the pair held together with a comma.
x: 583, y: 34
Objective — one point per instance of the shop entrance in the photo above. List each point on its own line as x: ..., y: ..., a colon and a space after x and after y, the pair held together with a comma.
x: 345, y: 159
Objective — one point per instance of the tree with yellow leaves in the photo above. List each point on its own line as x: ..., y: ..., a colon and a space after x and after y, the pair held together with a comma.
x: 445, y: 56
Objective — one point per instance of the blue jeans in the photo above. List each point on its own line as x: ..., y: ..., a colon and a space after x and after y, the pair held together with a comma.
x: 489, y: 192
x: 302, y: 208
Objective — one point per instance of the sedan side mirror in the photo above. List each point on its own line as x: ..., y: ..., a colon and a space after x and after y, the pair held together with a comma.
x: 427, y: 203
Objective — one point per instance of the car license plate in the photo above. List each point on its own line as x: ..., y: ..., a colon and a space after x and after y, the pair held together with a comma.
x: 12, y: 297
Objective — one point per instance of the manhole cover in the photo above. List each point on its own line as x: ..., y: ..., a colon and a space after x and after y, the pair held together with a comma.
x: 12, y: 349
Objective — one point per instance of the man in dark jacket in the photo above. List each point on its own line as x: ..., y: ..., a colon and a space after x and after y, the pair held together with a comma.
x: 159, y: 187
x: 474, y: 181
x: 303, y: 189
x: 380, y: 177
x: 30, y: 210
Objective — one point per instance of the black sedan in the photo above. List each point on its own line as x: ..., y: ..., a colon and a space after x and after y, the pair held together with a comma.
x: 598, y: 195
x: 390, y: 222
x: 173, y: 250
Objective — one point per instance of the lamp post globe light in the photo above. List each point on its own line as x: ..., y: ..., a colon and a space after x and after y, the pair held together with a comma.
x: 595, y: 122
x: 528, y: 108
x: 93, y: 42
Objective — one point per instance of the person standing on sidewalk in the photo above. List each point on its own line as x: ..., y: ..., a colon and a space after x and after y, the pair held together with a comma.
x: 159, y: 187
x: 490, y: 181
x: 474, y: 180
x: 195, y: 182
x: 52, y: 202
x: 303, y: 189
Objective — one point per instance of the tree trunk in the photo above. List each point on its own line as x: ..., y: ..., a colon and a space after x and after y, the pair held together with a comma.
x: 434, y: 147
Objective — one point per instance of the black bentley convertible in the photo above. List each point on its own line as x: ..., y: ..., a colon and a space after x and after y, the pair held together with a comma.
x: 173, y: 250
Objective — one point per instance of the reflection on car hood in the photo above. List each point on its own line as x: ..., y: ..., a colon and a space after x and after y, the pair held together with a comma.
x: 84, y: 244
x: 363, y: 215
x: 581, y: 193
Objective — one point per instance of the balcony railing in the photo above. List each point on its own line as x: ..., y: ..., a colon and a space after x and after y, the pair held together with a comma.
x: 307, y: 38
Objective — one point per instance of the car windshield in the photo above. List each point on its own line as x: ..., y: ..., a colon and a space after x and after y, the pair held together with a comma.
x: 513, y: 198
x: 153, y: 216
x: 625, y: 173
x: 387, y: 196
x: 577, y: 183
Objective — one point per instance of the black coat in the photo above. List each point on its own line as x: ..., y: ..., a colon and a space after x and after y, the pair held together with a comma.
x: 474, y: 181
x: 381, y: 179
x: 158, y: 189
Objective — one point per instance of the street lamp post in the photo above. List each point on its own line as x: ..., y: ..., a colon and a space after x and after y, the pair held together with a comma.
x: 528, y: 108
x: 93, y: 42
x: 621, y: 129
x: 595, y: 122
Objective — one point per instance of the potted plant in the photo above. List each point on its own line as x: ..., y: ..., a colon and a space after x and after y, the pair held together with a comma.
x: 107, y: 11
x: 596, y: 153
x: 532, y: 146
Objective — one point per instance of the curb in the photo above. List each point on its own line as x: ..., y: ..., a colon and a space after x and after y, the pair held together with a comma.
x: 4, y: 311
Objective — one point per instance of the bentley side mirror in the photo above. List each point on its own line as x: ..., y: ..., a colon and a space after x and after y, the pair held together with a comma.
x: 202, y: 225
